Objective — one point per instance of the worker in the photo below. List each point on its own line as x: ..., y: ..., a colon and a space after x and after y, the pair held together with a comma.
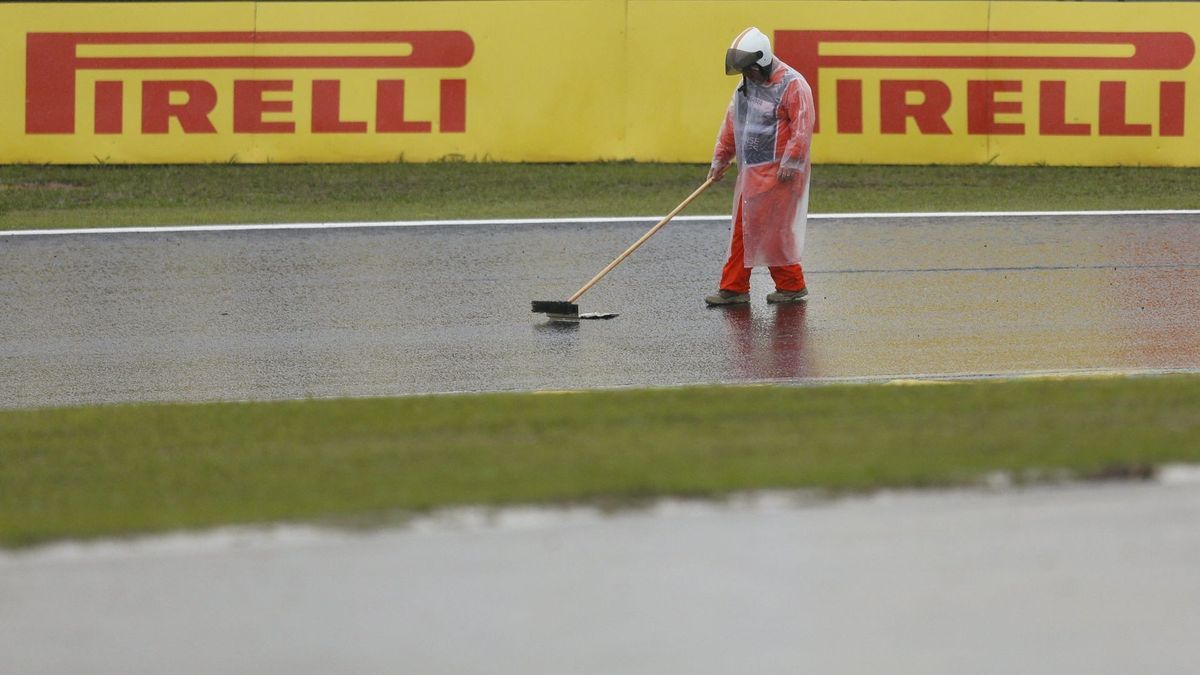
x: 768, y: 128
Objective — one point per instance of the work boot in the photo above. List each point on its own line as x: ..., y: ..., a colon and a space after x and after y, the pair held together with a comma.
x: 724, y: 297
x: 787, y: 296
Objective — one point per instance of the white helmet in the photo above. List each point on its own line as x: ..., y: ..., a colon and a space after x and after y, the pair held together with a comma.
x: 749, y: 47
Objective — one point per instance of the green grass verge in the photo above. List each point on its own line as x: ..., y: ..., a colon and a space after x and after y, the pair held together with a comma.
x: 87, y: 472
x: 94, y: 196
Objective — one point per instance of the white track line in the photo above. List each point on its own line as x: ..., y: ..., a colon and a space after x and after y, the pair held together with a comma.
x: 573, y: 221
x: 892, y: 380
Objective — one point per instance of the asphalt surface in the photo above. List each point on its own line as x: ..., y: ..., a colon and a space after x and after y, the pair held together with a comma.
x: 1066, y: 580
x: 321, y: 313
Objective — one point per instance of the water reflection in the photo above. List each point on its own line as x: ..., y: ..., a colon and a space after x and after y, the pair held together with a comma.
x: 769, y: 343
x: 1157, y: 304
x: 552, y: 327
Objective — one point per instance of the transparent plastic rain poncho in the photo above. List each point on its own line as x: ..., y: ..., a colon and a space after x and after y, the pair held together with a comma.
x: 767, y: 126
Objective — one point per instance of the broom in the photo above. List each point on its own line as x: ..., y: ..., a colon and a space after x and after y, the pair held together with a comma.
x: 560, y: 310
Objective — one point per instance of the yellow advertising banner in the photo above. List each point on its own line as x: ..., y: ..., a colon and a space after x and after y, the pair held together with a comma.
x: 944, y: 82
x: 583, y: 80
x: 312, y: 82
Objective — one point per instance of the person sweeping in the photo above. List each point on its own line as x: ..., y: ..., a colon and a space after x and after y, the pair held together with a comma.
x: 768, y: 128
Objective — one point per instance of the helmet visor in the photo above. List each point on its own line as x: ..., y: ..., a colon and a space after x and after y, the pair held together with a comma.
x: 737, y: 60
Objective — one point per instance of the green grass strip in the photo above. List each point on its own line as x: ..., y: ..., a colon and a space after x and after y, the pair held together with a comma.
x: 96, y: 471
x: 48, y: 197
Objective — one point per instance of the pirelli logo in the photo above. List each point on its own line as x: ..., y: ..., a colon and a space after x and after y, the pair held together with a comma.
x: 188, y: 98
x: 1001, y: 102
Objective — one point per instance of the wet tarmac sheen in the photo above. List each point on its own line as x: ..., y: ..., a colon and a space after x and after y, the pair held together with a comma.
x: 287, y: 314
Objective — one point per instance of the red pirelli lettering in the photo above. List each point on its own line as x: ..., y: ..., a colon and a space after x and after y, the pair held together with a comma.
x: 929, y: 112
x: 52, y: 62
x: 250, y: 103
x: 109, y: 109
x: 327, y: 110
x: 1151, y: 50
x: 983, y: 106
x: 1052, y: 117
x: 200, y: 98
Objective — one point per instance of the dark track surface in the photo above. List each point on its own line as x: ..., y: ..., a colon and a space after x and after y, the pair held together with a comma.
x: 293, y: 314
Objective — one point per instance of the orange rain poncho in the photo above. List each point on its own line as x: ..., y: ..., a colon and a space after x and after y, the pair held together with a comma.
x: 767, y: 126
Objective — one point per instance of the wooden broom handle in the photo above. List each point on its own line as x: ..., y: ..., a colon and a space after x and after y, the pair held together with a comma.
x: 674, y: 212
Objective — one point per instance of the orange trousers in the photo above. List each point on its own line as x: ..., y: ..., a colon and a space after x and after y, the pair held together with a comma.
x: 735, y: 276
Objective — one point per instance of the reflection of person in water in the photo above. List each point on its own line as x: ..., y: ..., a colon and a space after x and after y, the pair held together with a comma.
x: 772, y: 349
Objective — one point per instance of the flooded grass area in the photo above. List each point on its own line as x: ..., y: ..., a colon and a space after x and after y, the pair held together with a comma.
x: 109, y: 470
x: 1084, y: 578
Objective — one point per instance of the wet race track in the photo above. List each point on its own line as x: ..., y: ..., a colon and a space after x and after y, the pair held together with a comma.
x: 1068, y: 580
x: 280, y: 314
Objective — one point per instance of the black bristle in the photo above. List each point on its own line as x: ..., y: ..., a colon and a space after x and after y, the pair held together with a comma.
x: 555, y: 307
